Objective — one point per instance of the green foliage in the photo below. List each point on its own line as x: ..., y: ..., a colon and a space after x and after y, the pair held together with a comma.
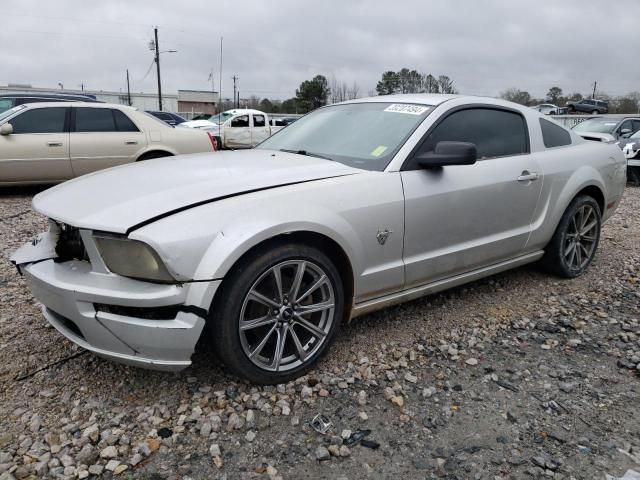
x: 430, y: 84
x: 517, y: 96
x: 312, y: 93
x: 266, y: 105
x: 412, y: 81
x: 289, y: 106
x: 554, y: 95
x: 446, y: 85
x: 389, y: 84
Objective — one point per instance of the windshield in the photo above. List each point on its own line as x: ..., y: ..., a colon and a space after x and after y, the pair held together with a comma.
x: 10, y: 112
x: 600, y: 125
x: 220, y: 118
x: 5, y: 104
x: 361, y: 135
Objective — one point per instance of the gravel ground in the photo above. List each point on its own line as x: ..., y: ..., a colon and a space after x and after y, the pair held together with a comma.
x: 520, y: 375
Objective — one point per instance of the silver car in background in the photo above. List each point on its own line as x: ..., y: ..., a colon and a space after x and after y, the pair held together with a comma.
x: 354, y: 207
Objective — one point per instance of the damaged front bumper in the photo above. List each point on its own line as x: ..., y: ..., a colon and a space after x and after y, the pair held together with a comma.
x: 113, y: 316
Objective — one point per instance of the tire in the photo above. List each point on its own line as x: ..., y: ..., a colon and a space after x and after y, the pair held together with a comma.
x: 250, y: 293
x: 560, y: 258
x: 571, y: 109
x: 595, y: 112
x: 152, y: 155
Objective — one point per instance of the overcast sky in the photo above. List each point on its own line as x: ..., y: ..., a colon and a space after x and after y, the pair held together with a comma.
x: 485, y: 46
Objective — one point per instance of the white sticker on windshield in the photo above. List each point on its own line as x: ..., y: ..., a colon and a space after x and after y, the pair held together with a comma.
x: 406, y: 108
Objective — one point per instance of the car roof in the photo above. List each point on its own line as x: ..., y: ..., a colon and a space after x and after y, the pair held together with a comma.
x: 614, y: 119
x: 421, y: 98
x: 436, y: 99
x: 47, y: 95
x: 78, y: 104
x: 240, y: 111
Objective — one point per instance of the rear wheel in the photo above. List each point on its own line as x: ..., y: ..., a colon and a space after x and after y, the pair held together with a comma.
x: 595, y: 112
x: 575, y: 240
x: 277, y: 313
x: 152, y: 155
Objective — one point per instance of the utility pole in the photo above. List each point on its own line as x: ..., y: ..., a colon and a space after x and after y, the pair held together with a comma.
x: 155, y: 33
x: 235, y: 78
x: 594, y: 90
x: 128, y: 89
x: 220, y: 80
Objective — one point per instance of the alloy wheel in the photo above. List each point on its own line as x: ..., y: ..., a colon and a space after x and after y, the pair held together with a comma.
x: 287, y: 315
x: 581, y: 238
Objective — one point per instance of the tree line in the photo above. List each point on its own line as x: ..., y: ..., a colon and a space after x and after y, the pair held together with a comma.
x: 319, y: 91
x: 629, y: 103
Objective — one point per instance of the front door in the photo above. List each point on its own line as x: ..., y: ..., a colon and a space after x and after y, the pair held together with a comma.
x: 460, y: 218
x: 237, y: 132
x: 38, y: 148
x: 260, y: 130
x: 102, y: 138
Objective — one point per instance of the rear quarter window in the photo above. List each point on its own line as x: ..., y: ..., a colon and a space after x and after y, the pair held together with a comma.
x: 554, y: 135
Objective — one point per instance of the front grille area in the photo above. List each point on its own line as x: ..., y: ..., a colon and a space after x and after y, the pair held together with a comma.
x: 67, y: 323
x: 151, y: 313
x: 69, y: 245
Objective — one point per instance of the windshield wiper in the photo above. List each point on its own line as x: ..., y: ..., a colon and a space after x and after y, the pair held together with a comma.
x: 306, y: 153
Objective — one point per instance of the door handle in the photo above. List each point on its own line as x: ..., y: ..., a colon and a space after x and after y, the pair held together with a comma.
x: 527, y: 176
x: 54, y: 144
x: 131, y: 142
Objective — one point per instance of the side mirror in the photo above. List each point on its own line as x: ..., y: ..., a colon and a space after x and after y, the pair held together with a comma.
x: 625, y: 132
x: 6, y: 129
x: 449, y: 153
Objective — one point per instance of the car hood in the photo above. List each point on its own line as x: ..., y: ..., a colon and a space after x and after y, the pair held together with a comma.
x: 120, y: 199
x: 198, y: 124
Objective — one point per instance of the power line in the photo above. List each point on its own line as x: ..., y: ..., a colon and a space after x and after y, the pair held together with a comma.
x: 148, y: 71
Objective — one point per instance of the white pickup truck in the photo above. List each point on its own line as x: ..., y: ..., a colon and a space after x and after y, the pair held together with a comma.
x: 238, y: 128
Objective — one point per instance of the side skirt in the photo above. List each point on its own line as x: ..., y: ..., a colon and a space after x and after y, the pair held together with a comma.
x: 422, y: 290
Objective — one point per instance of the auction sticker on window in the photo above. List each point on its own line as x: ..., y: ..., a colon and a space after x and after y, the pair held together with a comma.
x: 406, y: 108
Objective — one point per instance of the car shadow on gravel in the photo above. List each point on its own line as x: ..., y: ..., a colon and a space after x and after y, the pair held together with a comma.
x: 22, y: 191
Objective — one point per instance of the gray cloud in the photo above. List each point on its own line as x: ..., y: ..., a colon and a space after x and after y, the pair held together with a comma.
x: 485, y: 46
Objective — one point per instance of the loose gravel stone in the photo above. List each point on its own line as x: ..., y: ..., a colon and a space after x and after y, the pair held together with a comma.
x: 555, y: 377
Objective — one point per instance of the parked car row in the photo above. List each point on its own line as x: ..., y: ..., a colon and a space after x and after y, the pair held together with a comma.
x: 586, y: 105
x: 607, y: 129
x: 11, y: 100
x: 240, y: 128
x: 53, y: 142
x: 550, y: 109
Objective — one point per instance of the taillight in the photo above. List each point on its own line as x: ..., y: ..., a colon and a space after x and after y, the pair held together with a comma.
x: 214, y: 142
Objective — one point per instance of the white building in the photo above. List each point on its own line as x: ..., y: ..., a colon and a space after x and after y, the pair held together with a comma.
x: 191, y: 101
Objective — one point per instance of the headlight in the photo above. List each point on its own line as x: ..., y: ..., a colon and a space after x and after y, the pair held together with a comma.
x: 131, y: 258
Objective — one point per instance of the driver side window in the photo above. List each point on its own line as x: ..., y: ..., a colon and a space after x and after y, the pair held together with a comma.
x: 626, y: 125
x: 242, y: 121
x: 495, y: 132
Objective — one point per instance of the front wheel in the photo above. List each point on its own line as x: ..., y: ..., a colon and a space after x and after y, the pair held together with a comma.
x: 595, y: 112
x: 575, y: 240
x: 277, y: 313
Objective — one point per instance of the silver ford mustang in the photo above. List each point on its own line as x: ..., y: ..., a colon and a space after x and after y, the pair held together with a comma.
x: 356, y: 206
